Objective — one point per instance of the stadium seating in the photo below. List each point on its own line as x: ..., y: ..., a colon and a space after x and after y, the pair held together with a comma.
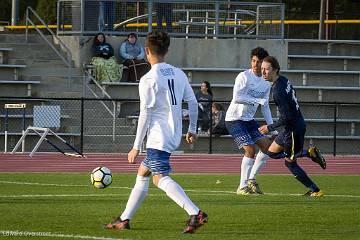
x: 321, y: 71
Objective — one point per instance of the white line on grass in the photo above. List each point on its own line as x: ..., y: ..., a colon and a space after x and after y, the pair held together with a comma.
x: 17, y: 233
x: 193, y: 191
x: 55, y: 184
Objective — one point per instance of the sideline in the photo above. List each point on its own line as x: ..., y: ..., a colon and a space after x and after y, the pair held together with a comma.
x: 192, y: 191
x: 17, y: 233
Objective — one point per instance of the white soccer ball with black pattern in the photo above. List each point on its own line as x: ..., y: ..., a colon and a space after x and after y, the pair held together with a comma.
x: 101, y: 177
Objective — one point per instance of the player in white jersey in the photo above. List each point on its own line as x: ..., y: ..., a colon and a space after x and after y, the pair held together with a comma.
x: 161, y: 91
x: 250, y: 90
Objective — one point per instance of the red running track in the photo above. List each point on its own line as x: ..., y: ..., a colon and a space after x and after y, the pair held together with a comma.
x: 185, y: 163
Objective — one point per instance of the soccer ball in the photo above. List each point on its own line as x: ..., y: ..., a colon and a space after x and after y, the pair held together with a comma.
x: 101, y: 177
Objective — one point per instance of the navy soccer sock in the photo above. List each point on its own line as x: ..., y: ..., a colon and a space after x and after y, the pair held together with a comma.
x: 276, y: 155
x: 303, y: 153
x: 301, y: 175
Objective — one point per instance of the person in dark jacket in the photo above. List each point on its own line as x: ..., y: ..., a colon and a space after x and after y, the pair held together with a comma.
x: 218, y: 119
x: 101, y: 48
x: 204, y: 97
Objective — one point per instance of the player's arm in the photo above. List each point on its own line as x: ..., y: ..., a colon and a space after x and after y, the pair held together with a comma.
x: 265, y: 109
x: 147, y: 101
x: 240, y: 95
x: 284, y: 108
x: 190, y: 98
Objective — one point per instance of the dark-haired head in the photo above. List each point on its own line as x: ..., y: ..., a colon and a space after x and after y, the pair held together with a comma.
x: 97, y: 40
x: 218, y: 106
x: 132, y: 35
x: 206, y: 88
x: 158, y: 43
x: 260, y: 52
x: 273, y: 62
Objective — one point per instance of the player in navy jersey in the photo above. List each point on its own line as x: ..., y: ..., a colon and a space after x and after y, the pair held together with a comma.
x: 290, y: 141
x: 162, y: 91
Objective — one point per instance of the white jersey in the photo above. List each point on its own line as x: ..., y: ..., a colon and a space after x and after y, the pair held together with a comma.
x: 162, y: 91
x: 249, y: 91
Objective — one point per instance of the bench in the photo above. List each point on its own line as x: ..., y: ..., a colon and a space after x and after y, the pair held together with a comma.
x: 305, y: 73
x: 206, y: 69
x: 27, y: 82
x: 345, y: 59
x: 15, y: 67
x: 3, y: 57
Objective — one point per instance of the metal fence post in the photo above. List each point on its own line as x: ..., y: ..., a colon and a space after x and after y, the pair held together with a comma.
x: 150, y: 7
x: 217, y: 9
x: 210, y: 135
x: 82, y: 127
x: 82, y: 16
x: 334, y: 140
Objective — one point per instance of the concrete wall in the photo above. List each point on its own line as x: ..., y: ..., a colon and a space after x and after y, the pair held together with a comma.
x: 227, y: 53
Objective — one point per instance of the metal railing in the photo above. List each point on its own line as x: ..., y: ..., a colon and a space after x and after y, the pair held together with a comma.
x: 333, y: 127
x: 89, y: 79
x: 182, y: 18
x: 67, y: 60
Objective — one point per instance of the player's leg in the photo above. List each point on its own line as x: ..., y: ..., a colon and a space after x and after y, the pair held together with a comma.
x: 160, y: 168
x: 178, y: 195
x: 294, y: 142
x: 136, y: 197
x: 239, y: 130
x: 246, y: 165
x: 260, y: 161
x: 314, y: 154
x: 263, y: 142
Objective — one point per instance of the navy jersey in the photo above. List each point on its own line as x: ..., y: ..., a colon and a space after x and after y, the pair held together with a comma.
x: 285, y: 99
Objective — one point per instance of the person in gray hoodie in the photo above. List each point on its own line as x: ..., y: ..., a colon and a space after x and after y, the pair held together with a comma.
x: 133, y: 54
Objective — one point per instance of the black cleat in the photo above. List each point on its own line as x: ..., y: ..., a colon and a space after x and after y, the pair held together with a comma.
x: 316, y: 157
x: 195, y: 222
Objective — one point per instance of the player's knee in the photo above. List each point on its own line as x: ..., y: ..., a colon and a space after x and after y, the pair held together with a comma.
x: 274, y: 155
x: 156, y: 179
x: 249, y: 152
x: 142, y: 183
x: 163, y: 182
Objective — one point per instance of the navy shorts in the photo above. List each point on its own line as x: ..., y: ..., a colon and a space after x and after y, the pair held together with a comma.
x: 291, y: 141
x: 158, y: 162
x: 244, y: 132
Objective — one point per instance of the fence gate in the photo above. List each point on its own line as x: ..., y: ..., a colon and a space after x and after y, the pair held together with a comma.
x: 270, y: 19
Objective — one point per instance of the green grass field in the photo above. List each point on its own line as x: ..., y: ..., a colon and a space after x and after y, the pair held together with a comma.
x: 67, y: 206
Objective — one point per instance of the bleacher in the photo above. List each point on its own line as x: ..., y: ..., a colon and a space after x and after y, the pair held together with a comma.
x: 32, y: 69
x: 334, y: 82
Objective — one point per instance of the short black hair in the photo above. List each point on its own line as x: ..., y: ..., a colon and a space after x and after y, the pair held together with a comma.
x: 158, y: 42
x: 260, y: 52
x: 132, y: 35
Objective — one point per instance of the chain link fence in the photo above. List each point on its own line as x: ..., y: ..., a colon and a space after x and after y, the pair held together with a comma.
x: 88, y: 126
x: 179, y: 18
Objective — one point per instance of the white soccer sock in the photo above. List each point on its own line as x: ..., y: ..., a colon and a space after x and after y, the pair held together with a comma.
x: 260, y: 161
x: 177, y: 194
x: 136, y: 197
x: 246, y: 165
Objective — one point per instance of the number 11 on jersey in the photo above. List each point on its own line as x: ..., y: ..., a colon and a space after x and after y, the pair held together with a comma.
x: 172, y: 91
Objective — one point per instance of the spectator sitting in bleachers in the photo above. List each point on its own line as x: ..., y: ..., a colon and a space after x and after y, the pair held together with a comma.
x: 204, y: 97
x: 106, y: 67
x: 133, y: 54
x: 218, y: 119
